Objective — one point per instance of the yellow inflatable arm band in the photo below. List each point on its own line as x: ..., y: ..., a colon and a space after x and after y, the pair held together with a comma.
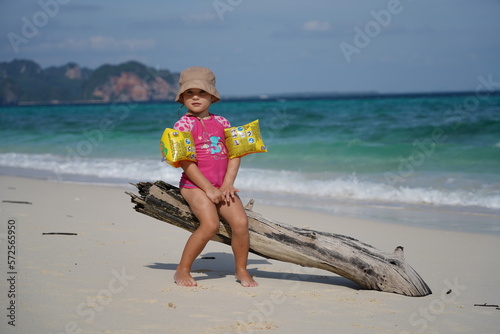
x: 176, y: 146
x: 244, y: 140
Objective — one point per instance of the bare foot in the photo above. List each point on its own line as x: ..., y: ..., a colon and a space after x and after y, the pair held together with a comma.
x: 245, y: 279
x: 184, y: 278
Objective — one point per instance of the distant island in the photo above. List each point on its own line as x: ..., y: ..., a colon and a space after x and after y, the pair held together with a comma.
x: 24, y: 82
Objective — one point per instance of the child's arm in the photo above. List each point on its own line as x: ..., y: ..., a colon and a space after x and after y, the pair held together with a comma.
x: 227, y: 187
x: 193, y: 172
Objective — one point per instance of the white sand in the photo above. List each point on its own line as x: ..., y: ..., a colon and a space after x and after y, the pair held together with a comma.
x: 115, y: 275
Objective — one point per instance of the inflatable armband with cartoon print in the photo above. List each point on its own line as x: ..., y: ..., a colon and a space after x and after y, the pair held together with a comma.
x: 244, y: 140
x: 176, y: 146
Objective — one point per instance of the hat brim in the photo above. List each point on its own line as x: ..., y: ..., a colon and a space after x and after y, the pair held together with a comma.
x: 198, y: 84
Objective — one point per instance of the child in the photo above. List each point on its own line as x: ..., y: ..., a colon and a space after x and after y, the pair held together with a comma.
x: 207, y: 185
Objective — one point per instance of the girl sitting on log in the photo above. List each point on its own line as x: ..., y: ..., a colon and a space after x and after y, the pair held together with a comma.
x: 207, y: 184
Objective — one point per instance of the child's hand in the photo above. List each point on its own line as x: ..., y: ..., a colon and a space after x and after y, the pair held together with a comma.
x: 215, y: 195
x: 229, y: 192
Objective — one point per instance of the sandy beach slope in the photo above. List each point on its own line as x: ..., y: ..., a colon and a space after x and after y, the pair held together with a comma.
x: 113, y: 274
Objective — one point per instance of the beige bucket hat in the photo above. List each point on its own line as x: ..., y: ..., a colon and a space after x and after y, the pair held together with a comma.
x: 200, y: 78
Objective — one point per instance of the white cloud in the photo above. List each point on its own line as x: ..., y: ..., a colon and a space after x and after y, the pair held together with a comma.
x: 100, y: 43
x: 68, y: 44
x: 199, y: 18
x: 109, y: 43
x: 316, y: 26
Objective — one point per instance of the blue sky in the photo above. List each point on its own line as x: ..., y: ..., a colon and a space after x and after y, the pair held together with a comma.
x: 269, y: 46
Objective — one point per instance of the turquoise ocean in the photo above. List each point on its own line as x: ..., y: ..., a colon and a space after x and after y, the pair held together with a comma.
x: 430, y: 161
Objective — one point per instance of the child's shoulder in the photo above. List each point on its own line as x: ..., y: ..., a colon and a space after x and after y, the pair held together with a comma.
x: 222, y: 120
x: 185, y: 123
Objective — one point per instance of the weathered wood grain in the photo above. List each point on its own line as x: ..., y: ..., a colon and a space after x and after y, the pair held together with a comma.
x: 365, y: 265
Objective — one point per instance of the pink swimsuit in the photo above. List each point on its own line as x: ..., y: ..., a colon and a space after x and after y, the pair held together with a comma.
x: 210, y: 145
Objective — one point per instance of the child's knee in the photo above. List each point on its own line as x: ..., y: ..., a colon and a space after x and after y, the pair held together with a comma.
x: 209, y: 230
x: 240, y: 226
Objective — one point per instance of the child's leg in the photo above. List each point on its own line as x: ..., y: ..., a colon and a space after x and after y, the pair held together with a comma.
x: 235, y: 215
x: 206, y: 213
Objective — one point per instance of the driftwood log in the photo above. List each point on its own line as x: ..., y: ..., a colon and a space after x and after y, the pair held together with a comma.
x: 361, y: 263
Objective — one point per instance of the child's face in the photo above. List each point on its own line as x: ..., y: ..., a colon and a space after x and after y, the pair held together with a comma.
x: 197, y: 101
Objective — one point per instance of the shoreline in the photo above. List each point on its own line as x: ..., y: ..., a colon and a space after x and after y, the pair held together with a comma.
x: 113, y: 273
x: 466, y: 219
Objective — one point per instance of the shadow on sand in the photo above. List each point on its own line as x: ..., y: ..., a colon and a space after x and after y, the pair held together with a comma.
x: 217, y: 265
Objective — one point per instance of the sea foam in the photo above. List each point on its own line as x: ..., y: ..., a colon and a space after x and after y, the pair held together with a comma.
x: 323, y: 187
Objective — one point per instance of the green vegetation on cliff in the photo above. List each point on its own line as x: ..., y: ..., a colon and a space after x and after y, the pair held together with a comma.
x: 24, y: 81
